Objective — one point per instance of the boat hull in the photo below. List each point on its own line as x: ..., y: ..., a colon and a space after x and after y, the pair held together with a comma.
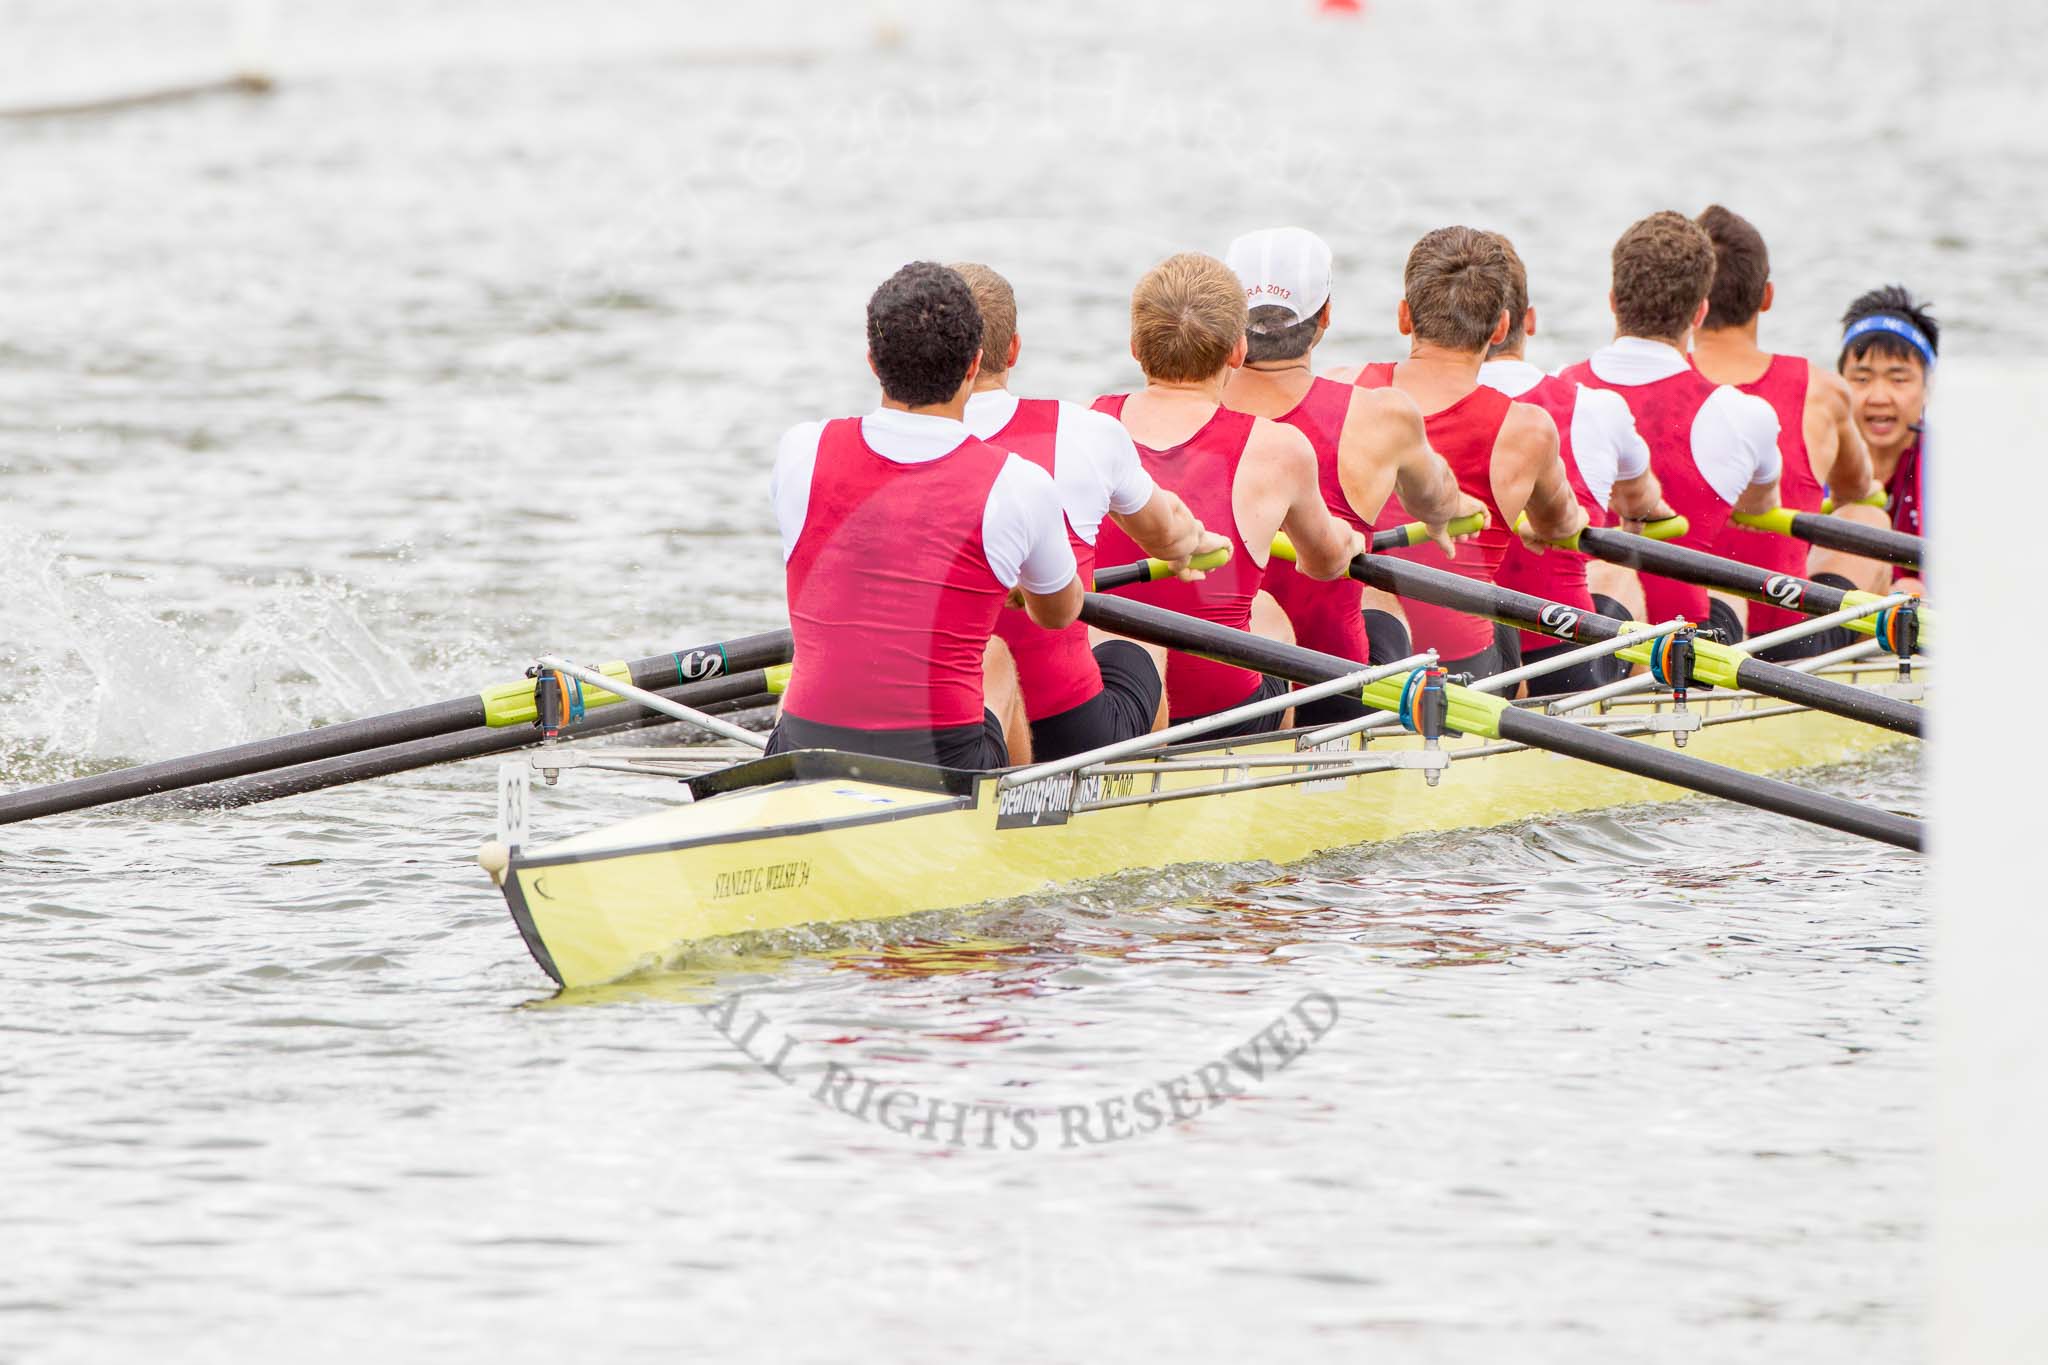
x: 828, y: 838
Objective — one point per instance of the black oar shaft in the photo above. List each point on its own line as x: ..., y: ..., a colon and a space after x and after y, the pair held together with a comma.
x: 1539, y: 731
x: 742, y: 691
x: 1442, y: 589
x: 1853, y: 537
x: 332, y: 741
x: 1142, y: 621
x: 1713, y: 571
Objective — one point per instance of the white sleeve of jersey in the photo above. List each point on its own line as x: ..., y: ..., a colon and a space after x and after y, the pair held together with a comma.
x: 1735, y: 442
x: 1024, y: 530
x: 1110, y: 450
x: 1605, y: 443
x: 789, y: 483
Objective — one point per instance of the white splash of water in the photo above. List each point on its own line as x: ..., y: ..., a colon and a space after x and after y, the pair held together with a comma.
x: 88, y: 679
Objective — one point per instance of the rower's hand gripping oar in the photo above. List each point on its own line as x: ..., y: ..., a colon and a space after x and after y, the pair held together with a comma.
x: 1712, y: 663
x: 1836, y: 533
x: 1489, y: 717
x: 1911, y: 624
x: 1153, y: 570
x: 1414, y: 533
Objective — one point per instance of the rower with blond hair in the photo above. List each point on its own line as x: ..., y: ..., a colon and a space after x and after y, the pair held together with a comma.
x: 1244, y: 476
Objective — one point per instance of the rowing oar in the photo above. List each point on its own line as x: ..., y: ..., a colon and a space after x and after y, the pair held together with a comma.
x: 1490, y: 717
x: 1713, y: 663
x: 1395, y: 538
x: 742, y: 692
x: 508, y: 704
x: 1833, y: 533
x: 1733, y: 576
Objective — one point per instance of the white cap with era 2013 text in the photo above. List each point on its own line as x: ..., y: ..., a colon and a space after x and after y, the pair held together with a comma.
x: 1288, y: 266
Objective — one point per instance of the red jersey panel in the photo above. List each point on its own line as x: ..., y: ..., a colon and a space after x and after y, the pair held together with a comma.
x: 1464, y: 434
x: 891, y: 598
x: 1325, y: 616
x: 1056, y: 671
x: 1664, y: 413
x: 1203, y: 471
x: 1783, y: 386
x: 1554, y: 575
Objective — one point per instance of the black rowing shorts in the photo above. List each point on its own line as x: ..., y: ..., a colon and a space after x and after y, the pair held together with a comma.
x: 1123, y: 709
x: 1268, y: 688
x: 975, y: 747
x: 1386, y: 637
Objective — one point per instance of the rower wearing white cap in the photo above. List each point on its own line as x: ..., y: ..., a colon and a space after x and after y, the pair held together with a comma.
x: 1073, y: 697
x: 1245, y: 477
x: 1367, y: 443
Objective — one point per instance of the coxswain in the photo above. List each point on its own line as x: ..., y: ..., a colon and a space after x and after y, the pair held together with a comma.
x: 1244, y: 476
x: 1368, y: 442
x: 1075, y: 697
x: 903, y: 536
x: 1504, y: 453
x: 1608, y: 466
x: 1713, y: 447
x: 1889, y: 344
x: 1819, y: 447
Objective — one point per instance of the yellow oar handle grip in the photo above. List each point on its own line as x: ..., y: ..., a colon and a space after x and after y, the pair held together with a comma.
x: 778, y: 677
x: 1778, y: 520
x: 1669, y: 528
x: 1212, y: 559
x: 1283, y: 548
x: 1459, y: 526
x: 1522, y: 520
x: 1876, y: 497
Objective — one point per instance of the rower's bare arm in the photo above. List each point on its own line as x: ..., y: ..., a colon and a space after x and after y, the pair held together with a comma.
x: 1638, y: 500
x: 1385, y: 447
x: 1165, y: 529
x: 1844, y: 465
x: 1428, y: 488
x: 1286, y: 470
x: 1529, y: 479
x: 1056, y: 610
x: 1343, y: 374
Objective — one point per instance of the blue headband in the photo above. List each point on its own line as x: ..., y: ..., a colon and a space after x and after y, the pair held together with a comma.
x: 1898, y: 327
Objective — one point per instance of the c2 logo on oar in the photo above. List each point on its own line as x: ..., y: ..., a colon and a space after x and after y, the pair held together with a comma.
x: 1560, y: 620
x: 1787, y: 591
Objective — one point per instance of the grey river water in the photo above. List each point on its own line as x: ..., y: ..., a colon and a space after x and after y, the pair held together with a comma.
x: 473, y: 340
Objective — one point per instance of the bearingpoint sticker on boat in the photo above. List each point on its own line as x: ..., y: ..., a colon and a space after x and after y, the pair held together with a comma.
x: 1050, y: 800
x: 748, y: 881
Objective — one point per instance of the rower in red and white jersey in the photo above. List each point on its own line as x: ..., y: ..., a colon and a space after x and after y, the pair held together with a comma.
x: 1244, y: 477
x: 1889, y: 343
x: 1713, y: 448
x: 1366, y: 442
x: 902, y: 537
x: 1505, y: 454
x: 1074, y: 697
x: 1608, y: 466
x: 1818, y: 443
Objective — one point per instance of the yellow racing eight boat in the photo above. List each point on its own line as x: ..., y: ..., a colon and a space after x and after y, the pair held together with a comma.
x: 817, y: 837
